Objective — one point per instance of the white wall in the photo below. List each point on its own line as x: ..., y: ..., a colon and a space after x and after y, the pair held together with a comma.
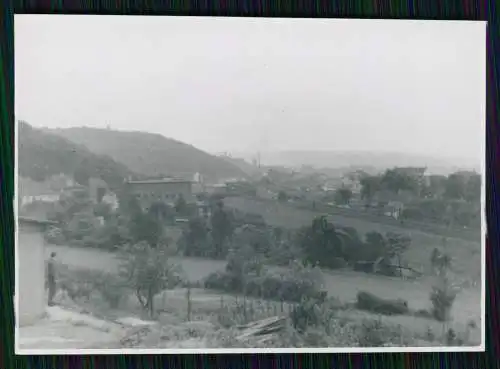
x: 32, y: 300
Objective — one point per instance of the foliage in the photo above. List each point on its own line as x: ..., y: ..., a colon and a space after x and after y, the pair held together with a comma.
x: 395, y: 181
x: 444, y: 292
x: 323, y: 243
x: 252, y: 237
x: 181, y: 206
x: 343, y: 195
x: 374, y: 333
x: 148, y: 271
x: 397, y: 244
x: 162, y: 212
x: 295, y: 283
x: 370, y: 302
x: 370, y: 185
x: 196, y: 239
x: 145, y: 153
x: 111, y: 288
x: 43, y: 154
x: 145, y: 227
x: 282, y: 196
x: 222, y: 229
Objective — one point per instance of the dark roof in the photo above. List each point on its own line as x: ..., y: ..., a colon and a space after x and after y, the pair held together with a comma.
x: 148, y: 181
x: 39, y: 222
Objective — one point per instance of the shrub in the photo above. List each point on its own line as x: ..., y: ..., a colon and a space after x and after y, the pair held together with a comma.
x: 442, y: 301
x: 370, y: 302
x: 222, y: 281
x: 111, y: 289
x: 374, y: 333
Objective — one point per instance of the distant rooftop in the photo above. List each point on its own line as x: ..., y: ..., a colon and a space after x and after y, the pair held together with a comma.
x: 41, y: 222
x: 164, y: 180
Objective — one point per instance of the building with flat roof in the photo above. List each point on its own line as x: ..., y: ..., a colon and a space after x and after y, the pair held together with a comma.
x: 161, y: 190
x: 31, y: 269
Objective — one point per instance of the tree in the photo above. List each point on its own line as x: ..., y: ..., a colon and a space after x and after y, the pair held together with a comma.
x: 444, y: 292
x: 397, y: 244
x: 257, y: 238
x: 370, y: 185
x: 161, y: 211
x: 436, y: 187
x: 196, y: 239
x: 148, y: 271
x: 145, y: 227
x: 343, y: 195
x: 282, y: 196
x: 455, y: 187
x: 395, y: 181
x: 473, y: 188
x: 323, y: 243
x: 222, y: 229
x: 181, y: 205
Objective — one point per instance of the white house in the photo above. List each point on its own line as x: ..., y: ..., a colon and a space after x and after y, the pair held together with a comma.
x: 31, y: 276
x: 111, y: 199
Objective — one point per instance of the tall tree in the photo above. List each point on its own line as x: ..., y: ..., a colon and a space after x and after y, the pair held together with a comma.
x: 222, y: 229
x: 397, y: 244
x: 370, y: 185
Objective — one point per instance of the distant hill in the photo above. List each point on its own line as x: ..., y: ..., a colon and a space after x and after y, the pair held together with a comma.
x: 356, y: 159
x: 151, y: 154
x: 42, y: 155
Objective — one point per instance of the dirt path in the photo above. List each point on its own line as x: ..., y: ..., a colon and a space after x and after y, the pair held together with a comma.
x: 344, y: 285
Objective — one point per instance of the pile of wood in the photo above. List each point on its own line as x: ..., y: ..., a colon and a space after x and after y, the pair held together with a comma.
x: 265, y: 329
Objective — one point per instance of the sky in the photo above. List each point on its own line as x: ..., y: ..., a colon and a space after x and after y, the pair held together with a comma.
x: 249, y: 84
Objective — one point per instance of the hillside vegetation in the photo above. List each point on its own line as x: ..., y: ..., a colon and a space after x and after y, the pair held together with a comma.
x: 42, y: 154
x: 151, y: 154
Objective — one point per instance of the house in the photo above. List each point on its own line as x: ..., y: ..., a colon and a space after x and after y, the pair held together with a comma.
x: 31, y: 269
x: 111, y: 199
x: 164, y: 190
x: 47, y: 197
x: 394, y: 209
x: 97, y: 189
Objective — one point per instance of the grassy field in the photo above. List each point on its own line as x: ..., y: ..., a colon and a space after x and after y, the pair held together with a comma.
x: 466, y: 254
x: 342, y: 285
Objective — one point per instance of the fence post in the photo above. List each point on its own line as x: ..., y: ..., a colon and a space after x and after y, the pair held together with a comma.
x: 221, y: 302
x: 245, y: 309
x: 275, y: 309
x: 189, y: 303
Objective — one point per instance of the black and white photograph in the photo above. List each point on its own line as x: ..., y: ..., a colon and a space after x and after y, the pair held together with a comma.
x: 223, y: 184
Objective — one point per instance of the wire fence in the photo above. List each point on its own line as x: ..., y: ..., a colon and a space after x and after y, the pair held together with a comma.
x: 236, y: 309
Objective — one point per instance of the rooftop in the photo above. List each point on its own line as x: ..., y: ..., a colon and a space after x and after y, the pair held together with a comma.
x: 164, y: 180
x: 29, y: 220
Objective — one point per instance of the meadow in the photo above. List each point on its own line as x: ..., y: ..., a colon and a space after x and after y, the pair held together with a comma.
x: 466, y: 254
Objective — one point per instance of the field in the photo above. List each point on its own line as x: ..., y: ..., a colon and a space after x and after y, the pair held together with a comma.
x: 342, y: 285
x: 466, y: 254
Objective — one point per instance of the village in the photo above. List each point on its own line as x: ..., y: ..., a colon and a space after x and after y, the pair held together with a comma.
x: 66, y: 217
x: 199, y: 183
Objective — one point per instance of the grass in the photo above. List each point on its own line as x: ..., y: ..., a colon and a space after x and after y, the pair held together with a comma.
x: 342, y: 284
x: 466, y: 254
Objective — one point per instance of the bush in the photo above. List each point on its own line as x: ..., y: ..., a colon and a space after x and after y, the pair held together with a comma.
x: 369, y: 302
x: 222, y: 281
x: 374, y: 333
x: 442, y: 300
x: 111, y: 289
